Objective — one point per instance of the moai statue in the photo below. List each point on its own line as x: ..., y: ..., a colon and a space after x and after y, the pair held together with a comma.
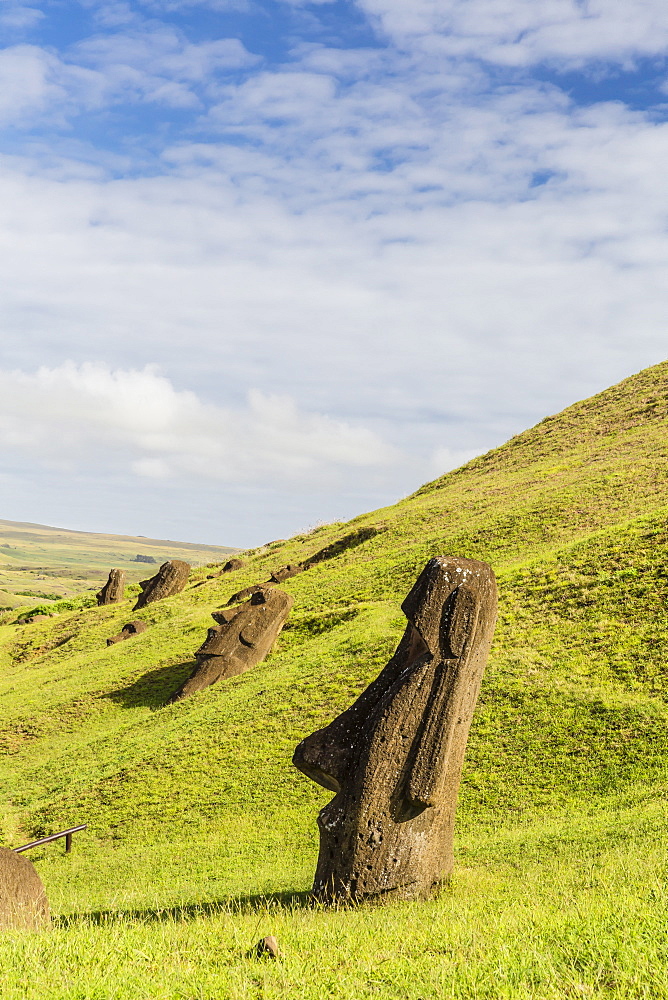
x: 285, y: 572
x: 170, y: 579
x: 241, y: 595
x: 394, y: 758
x: 114, y: 588
x: 233, y: 564
x: 132, y: 628
x: 23, y: 902
x: 243, y: 638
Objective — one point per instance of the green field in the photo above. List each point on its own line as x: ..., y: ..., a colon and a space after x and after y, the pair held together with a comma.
x: 202, y: 836
x: 39, y: 563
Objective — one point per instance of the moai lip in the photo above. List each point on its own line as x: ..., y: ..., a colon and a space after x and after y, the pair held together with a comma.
x: 243, y: 638
x: 170, y: 579
x: 394, y: 758
x: 114, y: 588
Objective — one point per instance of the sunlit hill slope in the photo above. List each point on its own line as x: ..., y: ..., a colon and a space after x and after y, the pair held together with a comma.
x: 198, y: 801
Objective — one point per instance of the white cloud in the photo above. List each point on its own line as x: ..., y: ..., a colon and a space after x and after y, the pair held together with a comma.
x: 90, y: 417
x: 522, y: 32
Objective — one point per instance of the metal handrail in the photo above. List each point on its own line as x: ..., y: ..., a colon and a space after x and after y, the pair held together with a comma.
x: 67, y: 834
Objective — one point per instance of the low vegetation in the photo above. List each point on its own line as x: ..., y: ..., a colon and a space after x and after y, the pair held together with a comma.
x: 202, y: 836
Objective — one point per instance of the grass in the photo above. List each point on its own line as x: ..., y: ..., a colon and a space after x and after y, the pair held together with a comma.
x: 202, y: 836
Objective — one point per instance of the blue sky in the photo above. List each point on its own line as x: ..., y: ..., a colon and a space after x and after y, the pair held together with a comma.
x: 266, y: 264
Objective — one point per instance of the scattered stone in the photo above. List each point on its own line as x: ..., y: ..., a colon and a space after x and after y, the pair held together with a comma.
x: 285, y: 572
x: 232, y: 565
x: 243, y: 638
x: 114, y: 588
x: 23, y: 902
x: 170, y: 579
x: 132, y: 628
x: 394, y: 758
x: 267, y: 947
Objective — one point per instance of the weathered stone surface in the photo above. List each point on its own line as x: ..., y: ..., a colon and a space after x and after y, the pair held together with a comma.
x: 132, y: 628
x: 285, y: 572
x: 394, y: 758
x: 114, y: 588
x: 242, y: 595
x: 233, y: 564
x: 243, y: 638
x: 170, y: 579
x: 23, y: 902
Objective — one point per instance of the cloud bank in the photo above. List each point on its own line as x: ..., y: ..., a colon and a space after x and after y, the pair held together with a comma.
x: 361, y: 244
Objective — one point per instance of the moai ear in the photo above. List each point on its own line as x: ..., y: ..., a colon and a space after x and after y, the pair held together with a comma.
x: 458, y: 622
x: 458, y: 626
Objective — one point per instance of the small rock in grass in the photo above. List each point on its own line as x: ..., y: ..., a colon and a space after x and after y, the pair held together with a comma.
x: 267, y: 947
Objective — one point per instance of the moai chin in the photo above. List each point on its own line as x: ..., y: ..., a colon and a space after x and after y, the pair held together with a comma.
x: 114, y: 589
x: 394, y: 758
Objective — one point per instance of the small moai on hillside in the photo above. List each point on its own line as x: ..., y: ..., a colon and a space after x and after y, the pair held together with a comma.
x: 114, y: 588
x: 285, y: 572
x: 242, y: 595
x: 243, y: 638
x: 23, y: 901
x: 394, y: 758
x: 232, y: 565
x: 170, y: 579
x: 132, y: 628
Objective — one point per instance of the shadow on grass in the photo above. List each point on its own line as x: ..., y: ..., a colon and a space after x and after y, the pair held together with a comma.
x: 154, y: 689
x: 290, y: 900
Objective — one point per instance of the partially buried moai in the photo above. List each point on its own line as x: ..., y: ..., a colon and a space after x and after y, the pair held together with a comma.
x: 244, y: 636
x: 394, y: 758
x: 170, y: 579
x: 114, y: 589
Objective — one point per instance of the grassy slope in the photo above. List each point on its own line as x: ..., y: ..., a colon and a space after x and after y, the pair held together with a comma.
x: 560, y: 884
x: 37, y: 560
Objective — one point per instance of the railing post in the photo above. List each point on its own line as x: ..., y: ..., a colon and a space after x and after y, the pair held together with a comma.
x: 68, y: 843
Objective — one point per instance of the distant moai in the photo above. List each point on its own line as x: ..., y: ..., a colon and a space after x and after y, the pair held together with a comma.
x: 132, y: 628
x: 114, y: 588
x: 170, y: 579
x: 394, y: 758
x: 243, y: 638
x: 233, y: 564
x: 285, y: 572
x: 23, y: 901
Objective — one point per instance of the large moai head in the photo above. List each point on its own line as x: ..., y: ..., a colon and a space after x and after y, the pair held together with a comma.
x: 23, y: 902
x: 114, y: 589
x: 394, y: 758
x: 170, y: 579
x: 243, y: 638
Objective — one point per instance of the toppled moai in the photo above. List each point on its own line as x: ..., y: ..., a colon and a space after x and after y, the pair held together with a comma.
x: 394, y: 758
x: 243, y: 638
x: 23, y: 901
x: 170, y: 579
x: 132, y: 628
x: 233, y: 564
x: 285, y: 572
x: 242, y: 595
x: 114, y: 588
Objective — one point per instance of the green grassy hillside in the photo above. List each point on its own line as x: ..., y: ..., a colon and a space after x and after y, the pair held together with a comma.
x: 40, y: 563
x: 202, y: 836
